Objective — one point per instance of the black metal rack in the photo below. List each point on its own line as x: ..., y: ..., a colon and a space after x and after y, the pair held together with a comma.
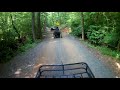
x: 74, y: 70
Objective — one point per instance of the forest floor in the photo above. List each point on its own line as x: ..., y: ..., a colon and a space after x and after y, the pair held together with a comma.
x: 54, y: 51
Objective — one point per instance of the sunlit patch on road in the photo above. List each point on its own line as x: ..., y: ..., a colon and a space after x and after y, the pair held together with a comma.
x: 52, y: 37
x: 53, y: 42
x: 43, y: 57
x: 18, y: 71
x: 117, y: 77
x: 118, y: 65
x: 37, y: 65
x: 27, y: 77
x: 30, y: 65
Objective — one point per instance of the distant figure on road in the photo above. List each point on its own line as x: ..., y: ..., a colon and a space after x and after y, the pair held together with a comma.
x: 57, y: 33
x: 57, y: 29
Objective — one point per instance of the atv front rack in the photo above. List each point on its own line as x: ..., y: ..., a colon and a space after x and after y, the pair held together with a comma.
x: 74, y: 70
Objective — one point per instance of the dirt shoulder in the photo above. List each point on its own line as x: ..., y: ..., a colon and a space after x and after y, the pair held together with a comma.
x: 111, y: 62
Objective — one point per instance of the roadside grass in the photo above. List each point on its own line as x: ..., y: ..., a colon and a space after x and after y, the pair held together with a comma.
x: 28, y: 46
x: 104, y: 50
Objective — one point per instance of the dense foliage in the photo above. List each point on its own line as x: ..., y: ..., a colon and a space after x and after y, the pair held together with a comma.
x: 16, y: 31
x: 20, y: 28
x: 101, y: 28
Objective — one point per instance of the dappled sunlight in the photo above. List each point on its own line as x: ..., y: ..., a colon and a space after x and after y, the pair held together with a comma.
x: 17, y: 72
x: 52, y: 37
x: 46, y: 67
x: 43, y: 57
x: 35, y: 73
x: 37, y: 66
x: 117, y: 77
x: 53, y: 42
x: 30, y: 65
x: 118, y: 65
x: 27, y: 77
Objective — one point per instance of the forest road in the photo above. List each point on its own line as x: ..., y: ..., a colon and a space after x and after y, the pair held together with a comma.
x: 52, y: 51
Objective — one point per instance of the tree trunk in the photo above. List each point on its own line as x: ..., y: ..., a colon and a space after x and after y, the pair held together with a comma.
x: 45, y: 22
x: 14, y: 27
x: 52, y: 19
x: 39, y: 27
x: 33, y: 25
x: 59, y: 18
x: 118, y: 46
x: 82, y: 22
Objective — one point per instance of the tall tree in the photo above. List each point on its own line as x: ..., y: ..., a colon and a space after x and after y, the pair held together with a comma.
x: 39, y: 27
x: 82, y: 22
x: 33, y: 25
x: 45, y: 21
x: 14, y: 27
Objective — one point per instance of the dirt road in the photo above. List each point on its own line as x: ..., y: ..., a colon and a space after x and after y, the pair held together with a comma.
x: 53, y: 51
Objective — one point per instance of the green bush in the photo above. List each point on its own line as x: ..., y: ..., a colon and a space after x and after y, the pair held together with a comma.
x: 111, y: 39
x: 7, y: 49
x: 95, y: 34
x: 75, y: 23
x: 76, y: 28
x: 105, y: 51
x: 109, y: 52
x: 77, y: 31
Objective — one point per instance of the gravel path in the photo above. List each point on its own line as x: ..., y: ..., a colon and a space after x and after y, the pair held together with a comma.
x: 53, y: 51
